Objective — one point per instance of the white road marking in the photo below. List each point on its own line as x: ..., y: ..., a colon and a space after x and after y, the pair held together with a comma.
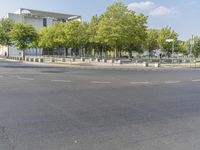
x: 101, y: 82
x: 15, y: 76
x: 197, y: 80
x: 64, y: 81
x: 30, y: 79
x: 172, y: 82
x: 139, y: 82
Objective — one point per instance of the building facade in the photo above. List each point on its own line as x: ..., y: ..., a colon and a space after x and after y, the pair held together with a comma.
x: 38, y: 19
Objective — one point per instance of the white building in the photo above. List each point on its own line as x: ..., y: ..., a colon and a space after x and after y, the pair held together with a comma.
x: 37, y: 19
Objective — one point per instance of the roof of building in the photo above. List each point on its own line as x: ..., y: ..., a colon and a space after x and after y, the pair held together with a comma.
x: 46, y: 14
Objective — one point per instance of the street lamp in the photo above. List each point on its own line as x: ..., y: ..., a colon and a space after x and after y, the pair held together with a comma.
x: 171, y: 41
x: 191, y: 48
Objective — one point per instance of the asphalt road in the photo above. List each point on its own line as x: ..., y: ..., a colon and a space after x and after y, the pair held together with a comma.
x: 51, y: 108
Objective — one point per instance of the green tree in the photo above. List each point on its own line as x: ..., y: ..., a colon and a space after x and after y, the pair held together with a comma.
x: 6, y: 25
x: 151, y: 42
x: 85, y: 43
x: 59, y: 35
x: 35, y: 44
x: 167, y: 33
x: 135, y: 32
x: 74, y: 32
x: 196, y: 46
x: 93, y: 42
x: 112, y: 26
x: 184, y: 47
x: 20, y: 34
x: 120, y: 29
x: 46, y: 41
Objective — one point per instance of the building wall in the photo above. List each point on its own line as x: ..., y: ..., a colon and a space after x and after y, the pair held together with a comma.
x: 37, y: 23
x: 3, y: 50
x: 15, y: 17
x: 49, y: 22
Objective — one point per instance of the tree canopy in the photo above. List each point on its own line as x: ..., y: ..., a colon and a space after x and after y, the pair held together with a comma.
x: 118, y: 30
x: 167, y: 33
x: 6, y: 26
x: 22, y: 35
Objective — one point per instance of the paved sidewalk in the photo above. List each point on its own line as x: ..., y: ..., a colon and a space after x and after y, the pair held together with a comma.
x: 99, y: 65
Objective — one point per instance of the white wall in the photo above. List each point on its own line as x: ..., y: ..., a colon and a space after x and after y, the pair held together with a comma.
x: 49, y: 22
x: 14, y: 52
x: 34, y: 52
x: 37, y: 23
x: 15, y: 17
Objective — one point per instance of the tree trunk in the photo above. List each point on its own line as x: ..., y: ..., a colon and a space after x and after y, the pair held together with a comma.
x: 8, y: 55
x: 130, y: 53
x: 36, y: 52
x: 23, y: 55
x: 149, y: 55
x: 115, y: 51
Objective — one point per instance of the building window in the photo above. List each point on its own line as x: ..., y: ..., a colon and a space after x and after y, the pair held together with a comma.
x: 45, y: 22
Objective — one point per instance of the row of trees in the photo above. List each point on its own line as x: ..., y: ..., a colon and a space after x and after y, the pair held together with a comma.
x: 116, y: 32
x: 156, y: 39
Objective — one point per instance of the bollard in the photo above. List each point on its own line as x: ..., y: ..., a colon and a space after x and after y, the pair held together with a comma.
x: 41, y: 60
x: 157, y: 65
x: 36, y: 60
x: 83, y: 59
x: 103, y: 60
x: 91, y: 59
x: 63, y: 60
x: 97, y: 60
x: 72, y: 59
x: 145, y: 64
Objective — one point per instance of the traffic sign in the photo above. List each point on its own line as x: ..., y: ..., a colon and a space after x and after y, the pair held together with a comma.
x: 28, y: 42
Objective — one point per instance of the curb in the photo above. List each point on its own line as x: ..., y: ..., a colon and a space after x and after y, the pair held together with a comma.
x: 103, y: 66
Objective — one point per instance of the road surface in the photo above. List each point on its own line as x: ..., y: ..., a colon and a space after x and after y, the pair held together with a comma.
x: 57, y: 108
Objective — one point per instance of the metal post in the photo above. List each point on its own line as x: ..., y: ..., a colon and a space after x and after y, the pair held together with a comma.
x: 171, y: 41
x: 191, y: 48
x: 173, y: 52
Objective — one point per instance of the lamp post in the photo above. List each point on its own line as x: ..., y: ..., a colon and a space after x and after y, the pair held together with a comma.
x: 191, y: 48
x: 171, y: 41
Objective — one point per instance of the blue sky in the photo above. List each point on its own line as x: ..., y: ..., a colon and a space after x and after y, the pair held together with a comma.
x: 181, y: 15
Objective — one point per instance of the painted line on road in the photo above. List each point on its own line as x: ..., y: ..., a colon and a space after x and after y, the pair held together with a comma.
x: 15, y: 76
x: 197, y: 80
x: 139, y: 83
x: 64, y: 81
x: 172, y: 82
x: 29, y: 79
x: 101, y: 82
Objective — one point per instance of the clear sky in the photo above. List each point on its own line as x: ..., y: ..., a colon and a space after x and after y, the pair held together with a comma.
x: 181, y: 15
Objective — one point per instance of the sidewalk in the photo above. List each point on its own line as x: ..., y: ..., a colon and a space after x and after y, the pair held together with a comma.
x: 101, y: 65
